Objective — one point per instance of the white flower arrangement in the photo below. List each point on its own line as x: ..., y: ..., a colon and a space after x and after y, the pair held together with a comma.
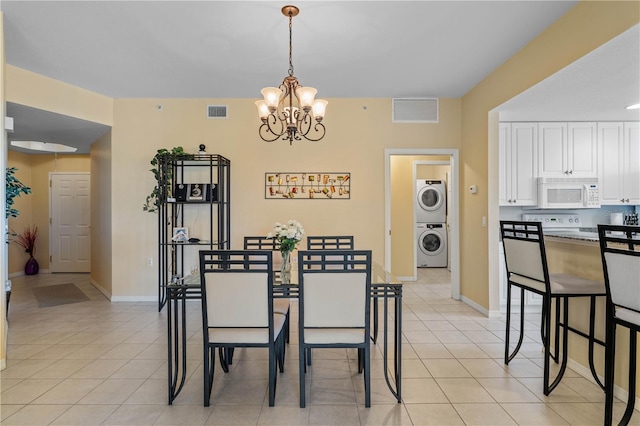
x: 289, y: 234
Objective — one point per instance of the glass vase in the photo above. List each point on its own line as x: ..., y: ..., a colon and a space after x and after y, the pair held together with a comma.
x: 285, y: 267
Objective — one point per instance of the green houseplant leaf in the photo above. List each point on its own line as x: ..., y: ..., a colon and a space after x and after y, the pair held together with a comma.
x: 15, y: 188
x: 176, y: 153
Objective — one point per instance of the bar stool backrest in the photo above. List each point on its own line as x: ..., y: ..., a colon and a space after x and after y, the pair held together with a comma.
x: 330, y: 242
x: 524, y: 251
x: 620, y: 248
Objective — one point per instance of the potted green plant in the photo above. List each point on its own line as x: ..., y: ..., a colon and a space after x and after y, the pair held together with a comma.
x: 27, y: 240
x: 176, y: 153
x: 15, y: 188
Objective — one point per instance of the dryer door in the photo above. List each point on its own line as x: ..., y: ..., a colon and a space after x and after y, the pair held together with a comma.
x: 431, y: 243
x: 430, y: 198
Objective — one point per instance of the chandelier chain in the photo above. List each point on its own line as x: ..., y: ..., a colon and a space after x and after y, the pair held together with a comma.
x: 290, y: 44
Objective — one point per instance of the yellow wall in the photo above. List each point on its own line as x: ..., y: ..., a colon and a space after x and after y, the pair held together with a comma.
x: 33, y: 171
x: 141, y: 124
x: 101, y: 247
x: 584, y: 28
x: 37, y: 91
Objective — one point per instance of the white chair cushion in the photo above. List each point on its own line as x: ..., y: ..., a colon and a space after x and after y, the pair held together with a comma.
x: 524, y: 258
x: 624, y: 279
x: 334, y: 299
x: 527, y: 282
x: 246, y: 335
x: 627, y: 315
x: 570, y: 284
x: 333, y: 335
x: 237, y: 299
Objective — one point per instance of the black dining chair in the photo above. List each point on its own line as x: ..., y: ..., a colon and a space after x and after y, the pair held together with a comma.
x: 334, y: 307
x: 237, y: 309
x: 620, y: 251
x: 526, y: 262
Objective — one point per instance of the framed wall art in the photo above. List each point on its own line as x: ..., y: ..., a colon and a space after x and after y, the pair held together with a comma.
x: 307, y: 185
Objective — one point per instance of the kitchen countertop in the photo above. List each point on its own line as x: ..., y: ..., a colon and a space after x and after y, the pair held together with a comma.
x: 583, y: 234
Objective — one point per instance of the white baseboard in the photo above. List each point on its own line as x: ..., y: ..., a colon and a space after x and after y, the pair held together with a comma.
x: 134, y: 299
x: 21, y: 273
x: 475, y: 306
x: 100, y: 289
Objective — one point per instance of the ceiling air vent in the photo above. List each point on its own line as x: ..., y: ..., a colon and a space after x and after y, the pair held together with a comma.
x: 415, y: 110
x: 216, y: 111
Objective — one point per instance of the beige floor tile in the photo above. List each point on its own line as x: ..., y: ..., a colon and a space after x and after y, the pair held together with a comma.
x: 239, y: 392
x: 284, y: 415
x: 112, y: 391
x: 433, y: 415
x: 445, y: 368
x: 151, y: 392
x: 417, y: 391
x: 25, y: 351
x: 431, y: 350
x: 483, y: 414
x: 34, y: 415
x: 8, y: 383
x: 7, y: 410
x: 484, y: 368
x: 465, y: 350
x: 57, y: 351
x: 234, y: 414
x: 534, y: 414
x: 100, y: 369
x: 137, y: 414
x: 27, y: 391
x: 85, y: 415
x: 61, y: 369
x: 584, y: 414
x: 334, y: 415
x: 173, y: 415
x: 24, y: 368
x: 384, y: 414
x: 463, y: 390
x: 331, y: 391
x: 139, y: 369
x: 69, y: 391
x: 508, y: 390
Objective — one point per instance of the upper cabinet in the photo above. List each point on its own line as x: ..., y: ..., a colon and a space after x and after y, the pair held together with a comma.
x: 567, y: 149
x: 619, y: 158
x: 518, y: 155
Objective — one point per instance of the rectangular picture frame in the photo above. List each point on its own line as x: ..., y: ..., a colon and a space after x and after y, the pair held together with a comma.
x: 307, y: 185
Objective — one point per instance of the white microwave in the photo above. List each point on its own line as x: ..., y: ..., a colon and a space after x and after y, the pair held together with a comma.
x: 568, y: 193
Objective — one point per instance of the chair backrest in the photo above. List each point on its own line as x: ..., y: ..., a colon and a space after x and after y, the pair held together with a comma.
x: 332, y: 242
x: 237, y: 286
x: 334, y: 288
x: 524, y: 250
x: 261, y: 243
x: 620, y: 250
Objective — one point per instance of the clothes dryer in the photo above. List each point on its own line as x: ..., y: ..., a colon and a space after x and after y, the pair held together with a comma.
x: 431, y: 201
x: 432, y: 245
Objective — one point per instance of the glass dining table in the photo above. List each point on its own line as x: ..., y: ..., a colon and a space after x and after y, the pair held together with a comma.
x: 385, y: 289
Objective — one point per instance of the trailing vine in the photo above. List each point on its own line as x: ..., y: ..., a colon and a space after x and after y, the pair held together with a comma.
x: 176, y: 153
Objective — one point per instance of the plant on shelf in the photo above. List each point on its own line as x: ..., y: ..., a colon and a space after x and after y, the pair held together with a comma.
x: 289, y: 235
x: 15, y: 188
x: 176, y: 153
x: 27, y: 240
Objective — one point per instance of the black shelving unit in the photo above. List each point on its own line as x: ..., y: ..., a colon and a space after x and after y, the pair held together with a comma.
x: 193, y: 193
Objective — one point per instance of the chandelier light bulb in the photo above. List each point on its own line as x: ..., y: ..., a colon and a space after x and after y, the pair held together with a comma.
x: 319, y: 109
x: 263, y: 109
x: 271, y: 97
x: 306, y: 96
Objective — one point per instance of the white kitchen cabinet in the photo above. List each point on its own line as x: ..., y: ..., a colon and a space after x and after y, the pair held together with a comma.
x: 619, y: 158
x: 567, y: 149
x: 518, y: 162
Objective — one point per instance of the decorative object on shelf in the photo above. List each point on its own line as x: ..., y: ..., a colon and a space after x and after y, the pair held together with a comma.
x: 311, y: 185
x: 27, y: 240
x: 176, y: 153
x: 15, y: 188
x: 180, y: 235
x: 289, y: 235
x: 286, y: 117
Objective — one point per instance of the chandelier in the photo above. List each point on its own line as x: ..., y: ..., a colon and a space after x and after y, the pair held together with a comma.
x: 290, y: 111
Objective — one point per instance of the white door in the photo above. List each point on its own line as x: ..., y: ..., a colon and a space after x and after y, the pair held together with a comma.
x: 70, y: 222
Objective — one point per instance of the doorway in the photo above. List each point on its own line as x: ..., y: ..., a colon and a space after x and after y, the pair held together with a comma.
x: 453, y: 161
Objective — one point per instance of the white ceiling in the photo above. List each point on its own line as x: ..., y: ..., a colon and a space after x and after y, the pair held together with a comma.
x: 224, y: 49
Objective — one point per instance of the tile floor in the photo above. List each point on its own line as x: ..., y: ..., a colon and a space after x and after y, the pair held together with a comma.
x: 98, y: 362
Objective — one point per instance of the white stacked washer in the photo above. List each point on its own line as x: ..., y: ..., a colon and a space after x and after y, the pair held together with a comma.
x: 432, y: 245
x: 431, y: 227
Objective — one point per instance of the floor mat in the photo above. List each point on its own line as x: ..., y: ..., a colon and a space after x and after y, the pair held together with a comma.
x: 60, y: 294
